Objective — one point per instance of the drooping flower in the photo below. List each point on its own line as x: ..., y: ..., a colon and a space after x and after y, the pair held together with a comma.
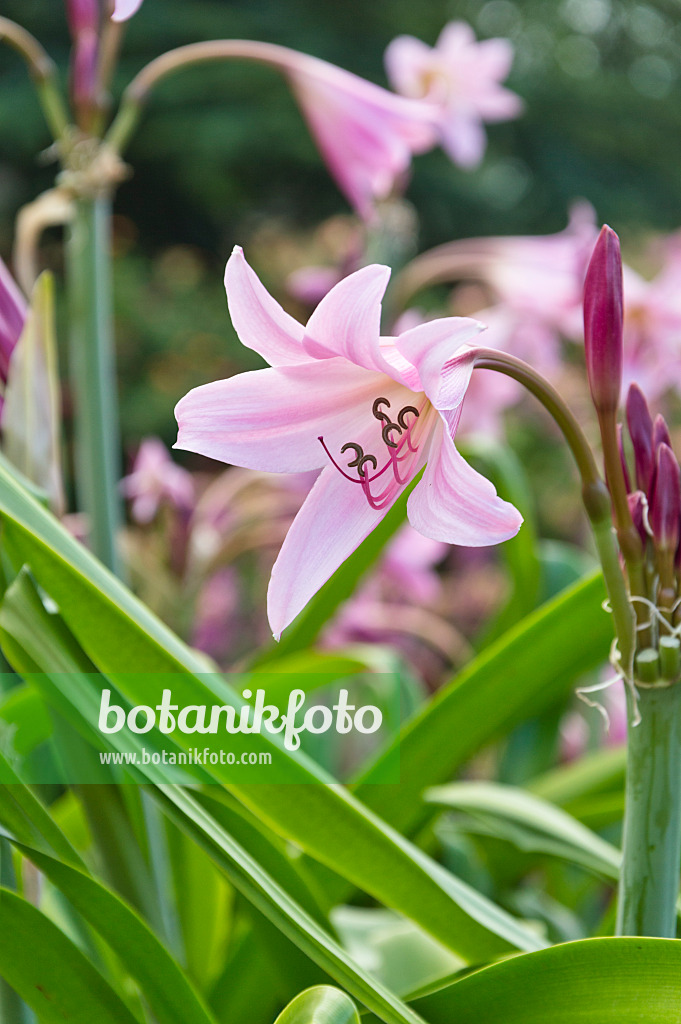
x: 462, y: 77
x: 369, y: 412
x: 156, y: 478
x: 124, y: 9
x: 366, y: 134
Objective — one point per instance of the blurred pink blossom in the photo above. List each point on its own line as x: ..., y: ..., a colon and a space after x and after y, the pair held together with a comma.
x: 652, y: 328
x: 155, y: 478
x: 462, y: 77
x: 216, y: 613
x: 326, y: 398
x: 366, y: 135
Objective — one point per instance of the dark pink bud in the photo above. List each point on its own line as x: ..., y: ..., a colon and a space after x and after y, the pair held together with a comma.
x: 661, y: 433
x: 637, y: 507
x: 640, y: 425
x: 82, y: 16
x: 603, y: 314
x: 665, y: 504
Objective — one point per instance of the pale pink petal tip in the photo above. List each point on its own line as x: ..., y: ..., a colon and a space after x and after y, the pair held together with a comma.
x: 125, y: 9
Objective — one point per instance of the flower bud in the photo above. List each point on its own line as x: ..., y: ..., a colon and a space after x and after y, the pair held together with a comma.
x: 665, y: 504
x: 640, y: 425
x: 603, y: 315
x: 637, y: 507
x: 661, y: 433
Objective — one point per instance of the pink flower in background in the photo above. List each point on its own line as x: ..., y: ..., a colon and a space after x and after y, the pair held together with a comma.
x: 652, y: 328
x: 369, y: 412
x: 463, y: 78
x: 156, y: 478
x: 124, y: 9
x: 13, y: 312
x: 366, y: 135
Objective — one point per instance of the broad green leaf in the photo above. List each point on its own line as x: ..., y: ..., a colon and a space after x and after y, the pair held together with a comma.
x: 169, y: 993
x: 593, y: 981
x: 268, y: 896
x: 51, y: 974
x: 322, y: 1004
x: 124, y: 640
x: 25, y: 818
x: 353, y: 842
x: 544, y: 827
x: 31, y: 414
x: 520, y: 674
x: 24, y: 711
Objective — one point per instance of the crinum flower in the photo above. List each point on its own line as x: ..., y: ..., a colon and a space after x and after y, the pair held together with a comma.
x: 369, y: 412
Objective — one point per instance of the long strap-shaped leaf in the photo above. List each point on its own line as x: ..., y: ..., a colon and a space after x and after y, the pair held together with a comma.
x: 166, y: 987
x: 593, y: 981
x: 51, y: 974
x: 523, y: 672
x: 124, y: 640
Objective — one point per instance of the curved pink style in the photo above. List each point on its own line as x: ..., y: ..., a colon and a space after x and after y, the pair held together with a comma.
x: 369, y: 412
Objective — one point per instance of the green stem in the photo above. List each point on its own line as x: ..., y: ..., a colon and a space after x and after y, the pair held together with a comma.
x: 93, y: 374
x: 649, y: 880
x: 43, y: 71
x: 594, y: 492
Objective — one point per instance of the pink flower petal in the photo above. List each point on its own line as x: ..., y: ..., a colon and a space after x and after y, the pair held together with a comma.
x: 125, y: 9
x: 271, y: 420
x: 258, y: 319
x: 455, y: 504
x: 333, y: 521
x: 347, y: 321
x: 406, y: 59
x: 436, y: 349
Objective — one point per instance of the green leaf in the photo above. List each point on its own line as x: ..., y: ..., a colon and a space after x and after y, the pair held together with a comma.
x: 520, y: 674
x: 51, y: 974
x: 169, y: 993
x: 322, y: 1004
x: 593, y: 981
x: 544, y: 827
x: 24, y: 711
x: 127, y: 642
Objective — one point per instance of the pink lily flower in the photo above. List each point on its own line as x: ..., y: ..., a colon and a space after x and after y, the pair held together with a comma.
x: 124, y: 9
x: 462, y: 77
x: 365, y: 134
x: 369, y: 412
x: 155, y: 478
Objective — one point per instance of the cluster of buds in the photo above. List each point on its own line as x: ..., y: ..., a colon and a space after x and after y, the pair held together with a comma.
x: 646, y: 502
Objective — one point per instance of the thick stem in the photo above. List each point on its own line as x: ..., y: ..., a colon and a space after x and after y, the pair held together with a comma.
x: 649, y: 880
x: 93, y: 374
